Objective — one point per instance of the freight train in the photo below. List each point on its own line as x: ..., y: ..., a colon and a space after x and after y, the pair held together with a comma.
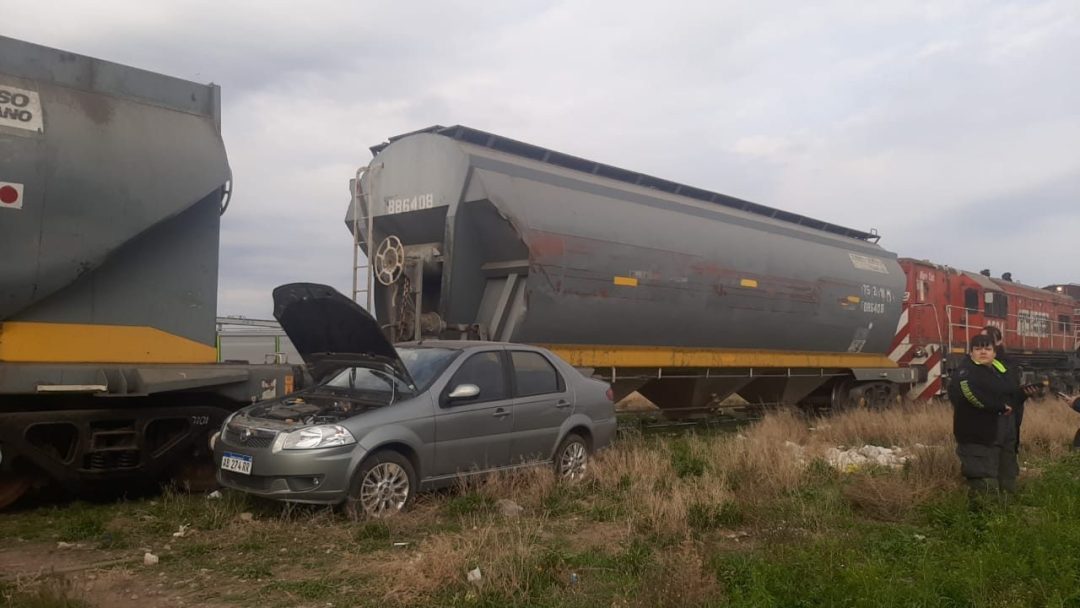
x: 113, y: 181
x: 685, y: 295
x: 112, y: 184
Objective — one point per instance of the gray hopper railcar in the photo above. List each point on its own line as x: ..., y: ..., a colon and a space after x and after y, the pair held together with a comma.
x: 686, y: 295
x: 112, y: 184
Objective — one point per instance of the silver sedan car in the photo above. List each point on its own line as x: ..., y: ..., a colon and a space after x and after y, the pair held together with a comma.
x: 383, y: 422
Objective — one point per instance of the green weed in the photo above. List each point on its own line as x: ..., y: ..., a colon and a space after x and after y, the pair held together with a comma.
x: 684, y: 461
x: 470, y: 503
x: 703, y: 517
x: 84, y: 525
x: 304, y: 590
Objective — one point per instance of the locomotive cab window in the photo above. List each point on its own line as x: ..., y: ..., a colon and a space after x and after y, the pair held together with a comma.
x: 922, y: 290
x: 971, y: 299
x: 997, y: 304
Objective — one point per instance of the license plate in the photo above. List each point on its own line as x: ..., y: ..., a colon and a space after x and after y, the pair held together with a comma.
x: 237, y: 463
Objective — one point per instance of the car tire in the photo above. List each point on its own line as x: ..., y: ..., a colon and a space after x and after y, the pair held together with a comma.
x: 572, y: 458
x: 383, y: 486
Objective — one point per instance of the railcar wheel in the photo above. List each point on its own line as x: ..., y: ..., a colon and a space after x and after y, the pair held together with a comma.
x: 384, y: 486
x: 840, y: 398
x: 12, y: 487
x: 875, y: 396
x: 572, y: 458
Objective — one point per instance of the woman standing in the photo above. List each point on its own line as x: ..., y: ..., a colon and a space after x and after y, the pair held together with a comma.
x: 985, y: 432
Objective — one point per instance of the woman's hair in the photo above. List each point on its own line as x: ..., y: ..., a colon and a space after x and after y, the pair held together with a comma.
x: 993, y: 332
x: 981, y: 340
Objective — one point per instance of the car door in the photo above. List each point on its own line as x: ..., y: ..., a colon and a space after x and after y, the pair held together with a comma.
x: 474, y: 434
x: 542, y: 402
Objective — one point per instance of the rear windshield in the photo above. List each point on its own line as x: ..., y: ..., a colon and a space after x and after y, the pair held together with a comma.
x: 425, y: 364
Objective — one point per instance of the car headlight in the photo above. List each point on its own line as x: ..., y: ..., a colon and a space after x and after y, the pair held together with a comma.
x: 324, y: 436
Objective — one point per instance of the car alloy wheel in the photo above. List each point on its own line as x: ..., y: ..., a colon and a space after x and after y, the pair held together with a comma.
x: 384, y: 486
x: 572, y: 458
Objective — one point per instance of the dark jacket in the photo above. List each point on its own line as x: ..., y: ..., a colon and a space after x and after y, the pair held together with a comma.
x: 979, y: 394
x: 1016, y: 396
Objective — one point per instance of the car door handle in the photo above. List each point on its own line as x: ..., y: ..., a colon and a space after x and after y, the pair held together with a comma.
x: 562, y: 404
x: 501, y: 413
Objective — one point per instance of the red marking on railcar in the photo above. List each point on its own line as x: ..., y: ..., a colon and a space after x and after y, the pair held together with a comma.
x: 9, y: 195
x: 543, y: 245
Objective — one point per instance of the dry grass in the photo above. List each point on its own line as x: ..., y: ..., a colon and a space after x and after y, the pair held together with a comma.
x: 905, y: 425
x: 680, y: 578
x: 529, y: 488
x: 1048, y: 429
x: 50, y: 591
x: 892, y: 496
x: 653, y: 511
x: 688, y: 490
x: 774, y: 458
x: 504, y: 553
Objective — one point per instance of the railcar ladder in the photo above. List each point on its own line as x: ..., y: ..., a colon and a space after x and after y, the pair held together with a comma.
x: 361, y: 212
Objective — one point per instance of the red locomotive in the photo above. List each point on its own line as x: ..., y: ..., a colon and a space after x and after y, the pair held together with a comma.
x: 944, y: 307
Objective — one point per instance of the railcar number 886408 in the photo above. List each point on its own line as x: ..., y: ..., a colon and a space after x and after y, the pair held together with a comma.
x: 410, y: 203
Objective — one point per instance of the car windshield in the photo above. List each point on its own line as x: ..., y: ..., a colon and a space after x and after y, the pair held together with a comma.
x: 376, y: 384
x: 425, y: 364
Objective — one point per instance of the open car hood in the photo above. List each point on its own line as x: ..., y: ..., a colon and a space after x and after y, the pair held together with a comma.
x: 331, y: 332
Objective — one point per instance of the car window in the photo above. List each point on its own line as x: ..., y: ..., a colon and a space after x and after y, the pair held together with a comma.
x: 424, y: 364
x: 486, y: 371
x: 534, y: 374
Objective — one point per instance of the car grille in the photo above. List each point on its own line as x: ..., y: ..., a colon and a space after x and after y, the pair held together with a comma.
x: 249, y: 438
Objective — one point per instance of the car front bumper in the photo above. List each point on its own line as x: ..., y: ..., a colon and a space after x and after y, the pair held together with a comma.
x: 318, y: 476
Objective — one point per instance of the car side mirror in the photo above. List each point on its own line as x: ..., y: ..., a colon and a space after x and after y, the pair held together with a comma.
x: 462, y: 392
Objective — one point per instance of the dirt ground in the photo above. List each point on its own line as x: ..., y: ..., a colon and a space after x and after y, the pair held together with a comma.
x: 100, y: 578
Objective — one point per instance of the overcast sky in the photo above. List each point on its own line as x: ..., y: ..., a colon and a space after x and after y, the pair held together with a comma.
x: 953, y: 128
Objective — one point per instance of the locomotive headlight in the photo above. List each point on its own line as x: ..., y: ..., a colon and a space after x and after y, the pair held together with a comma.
x: 323, y: 436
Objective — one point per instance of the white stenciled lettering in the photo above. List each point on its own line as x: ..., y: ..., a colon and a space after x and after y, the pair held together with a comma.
x: 877, y: 293
x: 410, y: 203
x: 16, y: 114
x: 20, y: 109
x: 19, y: 100
x: 1033, y: 324
x: 865, y: 262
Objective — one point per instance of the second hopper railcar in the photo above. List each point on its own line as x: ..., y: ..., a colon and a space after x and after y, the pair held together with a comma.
x: 685, y: 295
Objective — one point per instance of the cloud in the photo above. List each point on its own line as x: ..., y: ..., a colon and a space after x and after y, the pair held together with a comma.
x: 921, y: 120
x: 766, y: 147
